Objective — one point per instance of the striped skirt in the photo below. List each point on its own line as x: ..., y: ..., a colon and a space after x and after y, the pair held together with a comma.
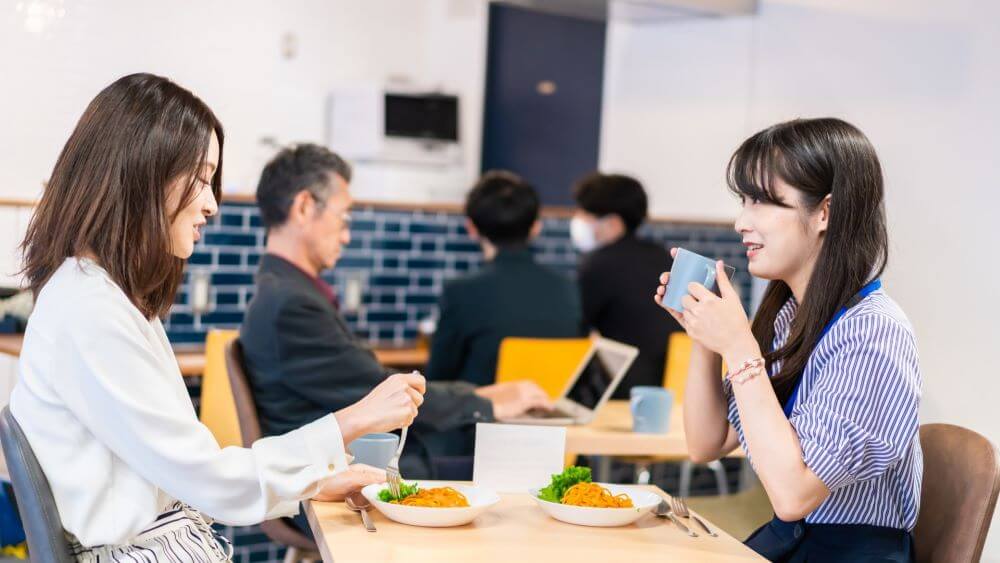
x: 180, y: 535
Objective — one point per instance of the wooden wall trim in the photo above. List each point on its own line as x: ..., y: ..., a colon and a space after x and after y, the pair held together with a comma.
x: 551, y: 211
x: 14, y: 202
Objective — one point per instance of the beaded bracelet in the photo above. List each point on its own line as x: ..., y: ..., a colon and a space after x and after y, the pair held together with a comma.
x: 747, y: 371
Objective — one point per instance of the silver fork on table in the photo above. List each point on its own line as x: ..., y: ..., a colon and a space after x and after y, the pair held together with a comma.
x: 681, y: 509
x: 393, y: 478
x: 663, y: 510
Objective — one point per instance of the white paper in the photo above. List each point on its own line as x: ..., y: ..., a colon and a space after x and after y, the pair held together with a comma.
x: 512, y: 458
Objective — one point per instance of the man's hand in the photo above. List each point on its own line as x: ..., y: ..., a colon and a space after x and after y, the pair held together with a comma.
x: 514, y: 398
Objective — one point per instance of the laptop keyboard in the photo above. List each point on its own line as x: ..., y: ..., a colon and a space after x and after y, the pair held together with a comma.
x: 542, y: 413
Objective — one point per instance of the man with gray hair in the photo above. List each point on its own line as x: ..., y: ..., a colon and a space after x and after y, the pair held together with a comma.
x: 302, y: 359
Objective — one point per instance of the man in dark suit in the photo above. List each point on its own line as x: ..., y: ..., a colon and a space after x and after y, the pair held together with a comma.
x: 511, y: 295
x: 302, y: 359
x: 617, y: 272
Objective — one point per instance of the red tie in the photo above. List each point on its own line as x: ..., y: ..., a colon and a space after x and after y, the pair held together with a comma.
x: 327, y: 291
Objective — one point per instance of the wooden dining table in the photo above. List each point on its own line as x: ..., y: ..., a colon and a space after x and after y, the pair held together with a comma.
x: 610, y: 434
x: 514, y: 529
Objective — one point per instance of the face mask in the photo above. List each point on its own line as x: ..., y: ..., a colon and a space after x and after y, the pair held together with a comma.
x: 582, y: 234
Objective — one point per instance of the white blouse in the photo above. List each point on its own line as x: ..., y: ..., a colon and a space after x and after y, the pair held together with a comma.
x: 102, y: 401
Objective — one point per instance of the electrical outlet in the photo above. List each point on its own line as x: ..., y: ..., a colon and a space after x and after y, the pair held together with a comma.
x: 353, y: 288
x: 201, y: 282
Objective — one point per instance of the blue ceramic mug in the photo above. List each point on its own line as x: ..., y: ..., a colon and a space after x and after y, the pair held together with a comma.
x: 650, y: 408
x: 374, y: 449
x: 690, y: 267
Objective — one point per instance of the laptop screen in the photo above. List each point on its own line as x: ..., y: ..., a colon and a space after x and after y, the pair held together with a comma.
x: 597, y: 376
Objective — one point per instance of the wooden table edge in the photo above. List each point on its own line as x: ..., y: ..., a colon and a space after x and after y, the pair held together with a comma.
x: 324, y: 549
x: 327, y: 555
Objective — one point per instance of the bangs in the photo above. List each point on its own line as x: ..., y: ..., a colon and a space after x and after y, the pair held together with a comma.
x: 753, y: 167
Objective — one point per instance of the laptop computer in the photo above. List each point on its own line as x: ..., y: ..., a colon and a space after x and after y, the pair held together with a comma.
x: 596, y: 378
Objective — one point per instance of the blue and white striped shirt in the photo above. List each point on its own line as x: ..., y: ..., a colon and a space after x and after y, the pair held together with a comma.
x: 856, y: 415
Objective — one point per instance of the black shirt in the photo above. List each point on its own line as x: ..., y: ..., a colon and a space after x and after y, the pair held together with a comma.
x: 510, y: 296
x: 617, y: 283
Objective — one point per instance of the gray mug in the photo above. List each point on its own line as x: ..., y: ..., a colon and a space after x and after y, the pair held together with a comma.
x: 690, y: 267
x: 374, y: 449
x: 650, y: 408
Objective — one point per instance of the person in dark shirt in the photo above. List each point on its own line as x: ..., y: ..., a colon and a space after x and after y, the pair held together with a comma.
x: 618, y: 271
x: 302, y: 359
x: 511, y: 295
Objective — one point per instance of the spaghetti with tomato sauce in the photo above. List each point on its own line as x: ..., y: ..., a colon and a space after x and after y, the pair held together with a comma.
x: 438, y: 497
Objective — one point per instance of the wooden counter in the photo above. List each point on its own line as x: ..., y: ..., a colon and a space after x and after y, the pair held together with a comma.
x: 191, y: 358
x: 549, y: 211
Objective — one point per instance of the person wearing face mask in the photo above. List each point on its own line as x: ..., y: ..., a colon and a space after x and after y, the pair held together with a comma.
x: 615, y: 270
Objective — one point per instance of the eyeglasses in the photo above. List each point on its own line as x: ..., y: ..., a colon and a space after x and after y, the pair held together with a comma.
x: 345, y: 220
x: 345, y: 217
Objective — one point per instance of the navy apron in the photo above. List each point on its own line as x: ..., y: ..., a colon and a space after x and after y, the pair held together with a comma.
x: 789, y: 542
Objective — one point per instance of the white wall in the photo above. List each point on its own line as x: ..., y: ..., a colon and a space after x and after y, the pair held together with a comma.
x: 229, y: 52
x: 920, y: 77
x: 455, y: 34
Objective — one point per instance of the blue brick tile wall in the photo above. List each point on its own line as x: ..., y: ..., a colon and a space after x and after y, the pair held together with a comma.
x: 403, y: 257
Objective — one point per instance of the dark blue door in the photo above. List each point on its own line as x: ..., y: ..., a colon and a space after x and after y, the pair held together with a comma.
x: 542, y: 117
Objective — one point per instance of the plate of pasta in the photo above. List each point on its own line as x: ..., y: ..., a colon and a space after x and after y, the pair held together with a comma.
x: 572, y: 497
x: 433, y: 504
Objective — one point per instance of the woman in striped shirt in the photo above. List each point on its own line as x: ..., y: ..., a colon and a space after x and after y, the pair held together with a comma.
x: 832, y: 432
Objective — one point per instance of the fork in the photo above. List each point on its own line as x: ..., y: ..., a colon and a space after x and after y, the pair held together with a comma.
x: 663, y: 510
x: 681, y: 508
x: 393, y: 478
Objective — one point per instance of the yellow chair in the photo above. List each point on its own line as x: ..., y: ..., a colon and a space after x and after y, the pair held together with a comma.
x: 220, y: 415
x: 218, y: 409
x: 678, y: 359
x: 675, y: 372
x: 549, y: 362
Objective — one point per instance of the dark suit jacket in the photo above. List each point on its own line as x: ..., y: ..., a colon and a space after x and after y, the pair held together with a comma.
x: 617, y: 283
x: 303, y: 362
x: 509, y: 296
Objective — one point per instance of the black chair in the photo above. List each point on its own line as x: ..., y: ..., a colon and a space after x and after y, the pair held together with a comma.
x: 47, y: 541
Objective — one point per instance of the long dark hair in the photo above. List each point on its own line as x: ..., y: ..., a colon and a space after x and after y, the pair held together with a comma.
x: 108, y: 191
x: 819, y: 158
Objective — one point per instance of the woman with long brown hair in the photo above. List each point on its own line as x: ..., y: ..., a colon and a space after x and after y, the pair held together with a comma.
x: 823, y: 389
x: 99, y: 394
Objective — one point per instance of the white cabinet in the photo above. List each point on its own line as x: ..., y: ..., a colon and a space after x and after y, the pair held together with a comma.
x: 13, y: 225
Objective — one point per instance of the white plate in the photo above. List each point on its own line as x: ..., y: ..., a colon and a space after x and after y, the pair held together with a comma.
x: 643, y: 502
x: 480, y: 500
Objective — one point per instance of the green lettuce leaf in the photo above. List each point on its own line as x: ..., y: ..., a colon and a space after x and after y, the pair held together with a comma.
x: 557, y: 488
x: 405, y: 490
